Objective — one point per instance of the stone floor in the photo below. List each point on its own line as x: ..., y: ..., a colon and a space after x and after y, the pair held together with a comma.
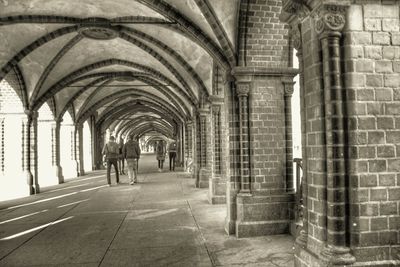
x: 162, y: 221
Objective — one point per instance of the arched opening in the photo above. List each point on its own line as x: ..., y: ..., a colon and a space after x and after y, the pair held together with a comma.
x: 67, y: 161
x: 46, y: 121
x: 296, y: 122
x: 12, y: 179
x: 87, y: 147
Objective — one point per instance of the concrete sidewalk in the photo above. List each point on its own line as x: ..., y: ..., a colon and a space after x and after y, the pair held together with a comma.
x: 162, y: 221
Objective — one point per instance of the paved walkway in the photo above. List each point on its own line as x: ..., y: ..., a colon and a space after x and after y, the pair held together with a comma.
x: 162, y: 221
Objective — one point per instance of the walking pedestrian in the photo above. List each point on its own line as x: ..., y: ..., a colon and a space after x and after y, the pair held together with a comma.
x: 131, y: 151
x: 160, y: 153
x: 172, y: 155
x: 121, y: 160
x: 111, y: 153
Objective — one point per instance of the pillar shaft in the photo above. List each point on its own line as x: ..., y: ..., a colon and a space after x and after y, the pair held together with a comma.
x: 29, y: 135
x: 204, y: 146
x: 79, y: 150
x: 55, y: 150
x: 337, y: 251
x: 243, y: 95
x: 288, y: 134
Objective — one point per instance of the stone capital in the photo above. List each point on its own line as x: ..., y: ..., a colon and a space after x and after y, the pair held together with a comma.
x: 242, y: 89
x: 31, y: 114
x: 288, y: 86
x: 216, y: 109
x: 330, y: 18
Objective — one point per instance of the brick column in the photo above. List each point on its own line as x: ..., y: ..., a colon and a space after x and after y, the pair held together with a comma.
x: 242, y: 91
x: 329, y: 27
x: 29, y: 141
x: 190, y: 145
x: 263, y: 204
x: 55, y: 150
x: 288, y: 85
x: 204, y: 146
x: 93, y: 141
x: 217, y: 189
x: 79, y: 149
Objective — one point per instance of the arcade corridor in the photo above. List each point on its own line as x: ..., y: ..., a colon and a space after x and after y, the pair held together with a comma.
x: 283, y: 117
x: 162, y: 221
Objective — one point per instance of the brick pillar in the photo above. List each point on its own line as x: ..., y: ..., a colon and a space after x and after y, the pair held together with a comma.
x: 336, y: 251
x: 55, y: 150
x: 29, y: 136
x: 34, y: 151
x: 186, y: 144
x: 204, y: 146
x: 243, y: 88
x: 190, y: 145
x: 79, y: 150
x: 217, y: 189
x: 288, y: 85
x: 263, y: 204
x: 93, y: 141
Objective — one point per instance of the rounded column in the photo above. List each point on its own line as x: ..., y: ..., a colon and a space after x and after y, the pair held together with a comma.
x: 329, y: 26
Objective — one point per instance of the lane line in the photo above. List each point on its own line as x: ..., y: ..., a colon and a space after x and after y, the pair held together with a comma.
x: 24, y: 216
x: 73, y: 203
x: 34, y: 229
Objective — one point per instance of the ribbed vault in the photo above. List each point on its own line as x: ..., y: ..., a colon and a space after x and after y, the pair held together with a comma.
x: 140, y: 65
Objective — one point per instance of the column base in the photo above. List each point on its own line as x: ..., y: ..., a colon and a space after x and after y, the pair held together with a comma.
x: 332, y: 255
x: 217, y: 191
x: 263, y: 215
x: 29, y: 181
x: 59, y: 174
x: 203, y: 177
x: 305, y: 258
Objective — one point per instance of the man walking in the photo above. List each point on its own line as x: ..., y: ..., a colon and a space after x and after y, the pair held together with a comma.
x: 111, y: 152
x: 131, y: 153
x: 172, y: 155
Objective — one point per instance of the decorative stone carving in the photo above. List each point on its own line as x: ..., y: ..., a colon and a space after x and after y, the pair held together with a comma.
x: 331, y: 18
x: 288, y: 87
x: 296, y: 37
x: 98, y: 29
x: 243, y: 89
x: 297, y: 8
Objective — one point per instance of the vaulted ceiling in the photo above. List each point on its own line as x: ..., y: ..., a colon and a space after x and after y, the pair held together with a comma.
x: 143, y: 63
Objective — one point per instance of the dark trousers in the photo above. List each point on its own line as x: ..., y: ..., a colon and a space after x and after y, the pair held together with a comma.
x: 109, y: 163
x: 160, y: 164
x: 172, y: 156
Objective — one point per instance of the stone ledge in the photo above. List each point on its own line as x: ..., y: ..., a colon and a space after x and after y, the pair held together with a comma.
x: 215, y: 200
x: 259, y: 228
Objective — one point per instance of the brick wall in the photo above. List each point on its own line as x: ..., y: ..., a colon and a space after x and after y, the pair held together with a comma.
x: 263, y: 39
x: 267, y: 134
x: 10, y: 102
x: 315, y: 136
x: 372, y: 51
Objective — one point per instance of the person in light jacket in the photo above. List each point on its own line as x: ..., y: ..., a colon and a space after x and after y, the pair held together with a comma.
x: 111, y: 153
x: 131, y: 152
